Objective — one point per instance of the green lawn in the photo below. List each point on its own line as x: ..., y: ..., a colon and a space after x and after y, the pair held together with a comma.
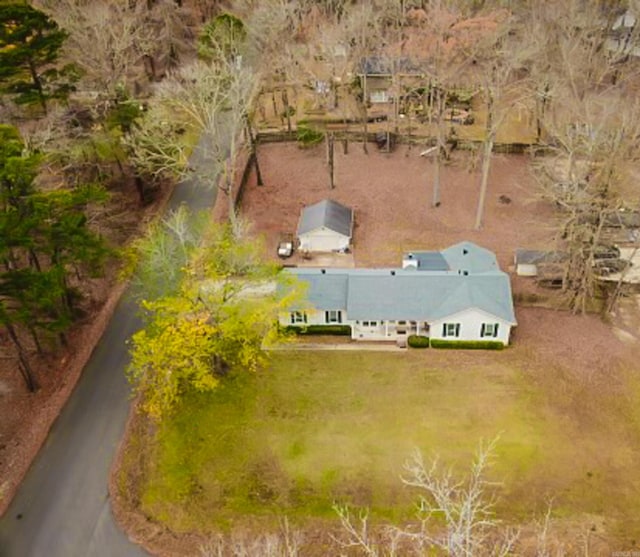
x: 337, y: 426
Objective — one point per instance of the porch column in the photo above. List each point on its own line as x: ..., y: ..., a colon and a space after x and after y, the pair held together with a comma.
x: 417, y: 328
x: 386, y: 328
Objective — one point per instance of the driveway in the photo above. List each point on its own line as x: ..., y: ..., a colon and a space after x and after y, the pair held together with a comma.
x: 62, y: 508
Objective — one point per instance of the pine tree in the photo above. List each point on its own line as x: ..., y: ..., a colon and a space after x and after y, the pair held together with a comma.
x: 30, y: 43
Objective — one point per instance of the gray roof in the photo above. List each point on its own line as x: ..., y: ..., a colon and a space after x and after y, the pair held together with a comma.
x: 406, y: 294
x: 325, y: 290
x: 382, y: 65
x: 535, y: 257
x: 467, y: 256
x: 328, y: 214
x: 427, y: 260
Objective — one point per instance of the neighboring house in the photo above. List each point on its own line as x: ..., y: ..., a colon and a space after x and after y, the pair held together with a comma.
x: 325, y: 226
x: 456, y: 294
x: 376, y: 76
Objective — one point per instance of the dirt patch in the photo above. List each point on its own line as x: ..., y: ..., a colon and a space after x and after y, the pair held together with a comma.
x: 391, y: 196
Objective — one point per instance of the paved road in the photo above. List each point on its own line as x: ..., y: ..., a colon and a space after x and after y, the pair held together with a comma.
x: 62, y: 508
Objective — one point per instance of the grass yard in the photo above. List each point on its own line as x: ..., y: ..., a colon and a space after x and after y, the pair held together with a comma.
x: 338, y: 426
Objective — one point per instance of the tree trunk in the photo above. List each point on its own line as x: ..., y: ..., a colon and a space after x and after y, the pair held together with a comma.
x: 38, y: 83
x: 139, y: 183
x: 435, y: 202
x: 150, y: 66
x: 490, y: 138
x: 254, y: 151
x: 274, y: 104
x: 287, y: 111
x: 33, y: 259
x: 25, y: 368
x: 365, y: 120
x: 484, y: 181
x: 330, y: 149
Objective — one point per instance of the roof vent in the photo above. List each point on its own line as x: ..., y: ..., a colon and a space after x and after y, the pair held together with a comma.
x: 393, y: 273
x: 465, y: 273
x: 323, y: 271
x: 465, y: 251
x: 410, y: 256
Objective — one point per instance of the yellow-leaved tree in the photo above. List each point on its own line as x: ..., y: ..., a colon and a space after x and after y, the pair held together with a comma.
x: 218, y: 316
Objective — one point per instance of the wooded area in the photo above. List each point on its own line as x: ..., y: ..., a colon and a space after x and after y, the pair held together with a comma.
x: 117, y: 94
x: 102, y: 103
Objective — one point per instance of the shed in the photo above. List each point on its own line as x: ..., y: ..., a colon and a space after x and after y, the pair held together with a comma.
x: 325, y: 226
x: 530, y: 263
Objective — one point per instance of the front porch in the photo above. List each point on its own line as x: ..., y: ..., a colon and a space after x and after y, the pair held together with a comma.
x: 390, y: 330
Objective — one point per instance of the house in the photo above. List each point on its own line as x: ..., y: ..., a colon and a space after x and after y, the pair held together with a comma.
x: 376, y: 76
x: 325, y: 226
x: 456, y: 294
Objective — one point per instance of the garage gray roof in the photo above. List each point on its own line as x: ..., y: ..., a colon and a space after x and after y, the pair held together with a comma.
x: 328, y: 214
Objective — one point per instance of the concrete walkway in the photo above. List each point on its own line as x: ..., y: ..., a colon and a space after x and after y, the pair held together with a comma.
x: 354, y: 346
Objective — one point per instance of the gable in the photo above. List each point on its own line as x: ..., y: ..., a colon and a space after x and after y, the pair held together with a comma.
x: 328, y: 214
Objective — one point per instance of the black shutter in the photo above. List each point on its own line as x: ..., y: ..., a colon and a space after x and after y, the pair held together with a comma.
x: 457, y: 329
x: 444, y: 329
x: 482, y: 330
x: 293, y: 317
x: 326, y: 317
x: 304, y: 316
x: 339, y: 316
x: 495, y: 330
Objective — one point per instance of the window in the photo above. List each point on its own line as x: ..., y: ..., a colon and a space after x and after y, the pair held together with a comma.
x: 298, y: 317
x: 489, y: 330
x: 333, y: 316
x: 374, y: 323
x: 451, y: 329
x: 379, y: 96
x: 402, y: 322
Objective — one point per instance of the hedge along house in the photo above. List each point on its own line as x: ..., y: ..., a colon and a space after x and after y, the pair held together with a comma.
x: 456, y: 294
x: 325, y: 226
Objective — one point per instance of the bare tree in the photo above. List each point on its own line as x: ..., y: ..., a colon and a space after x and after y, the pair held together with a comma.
x: 214, y: 98
x: 466, y: 508
x: 285, y: 543
x: 115, y: 44
x: 589, y: 173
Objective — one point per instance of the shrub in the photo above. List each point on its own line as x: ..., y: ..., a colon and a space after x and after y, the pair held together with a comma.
x: 338, y: 330
x: 418, y: 341
x: 307, y: 136
x: 467, y: 344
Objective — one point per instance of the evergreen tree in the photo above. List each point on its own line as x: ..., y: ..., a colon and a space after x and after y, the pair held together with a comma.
x: 30, y: 42
x: 45, y: 240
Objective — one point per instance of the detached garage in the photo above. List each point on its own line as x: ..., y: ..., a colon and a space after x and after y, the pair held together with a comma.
x: 325, y: 226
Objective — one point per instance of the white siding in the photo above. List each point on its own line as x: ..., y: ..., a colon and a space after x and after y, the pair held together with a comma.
x: 314, y: 317
x: 471, y: 322
x: 323, y: 239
